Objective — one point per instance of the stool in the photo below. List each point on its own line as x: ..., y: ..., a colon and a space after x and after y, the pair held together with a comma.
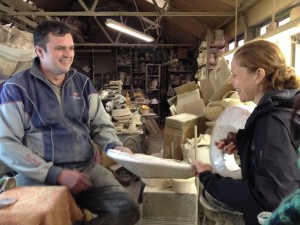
x: 218, y: 216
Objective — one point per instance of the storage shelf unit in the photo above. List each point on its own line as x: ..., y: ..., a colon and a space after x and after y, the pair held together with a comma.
x: 211, y: 57
x: 140, y: 58
x: 124, y: 66
x: 210, y: 53
x: 153, y: 85
x: 179, y: 73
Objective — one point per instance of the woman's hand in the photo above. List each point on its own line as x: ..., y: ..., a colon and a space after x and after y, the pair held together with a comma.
x: 201, y: 167
x: 228, y: 145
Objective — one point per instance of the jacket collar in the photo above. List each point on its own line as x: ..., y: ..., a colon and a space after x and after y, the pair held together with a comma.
x: 272, y: 100
x: 35, y: 70
x: 282, y: 98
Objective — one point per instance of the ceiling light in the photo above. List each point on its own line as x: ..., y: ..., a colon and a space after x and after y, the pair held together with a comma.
x: 128, y: 30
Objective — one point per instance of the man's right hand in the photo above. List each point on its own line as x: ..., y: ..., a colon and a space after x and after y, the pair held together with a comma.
x: 74, y: 180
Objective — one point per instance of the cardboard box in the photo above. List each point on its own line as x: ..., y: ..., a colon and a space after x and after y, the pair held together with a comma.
x: 172, y: 100
x: 206, y: 89
x: 188, y: 99
x: 192, y: 107
x: 173, y: 111
x: 189, y: 96
x: 219, y: 74
x: 221, y: 91
x: 177, y: 129
x: 186, y: 88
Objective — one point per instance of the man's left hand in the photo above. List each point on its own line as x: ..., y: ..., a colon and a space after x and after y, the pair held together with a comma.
x: 123, y: 149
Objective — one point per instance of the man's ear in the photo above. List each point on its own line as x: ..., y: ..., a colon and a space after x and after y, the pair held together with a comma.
x: 260, y: 75
x: 39, y: 51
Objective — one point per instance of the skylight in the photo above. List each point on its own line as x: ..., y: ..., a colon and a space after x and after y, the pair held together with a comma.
x: 160, y: 3
x: 29, y: 2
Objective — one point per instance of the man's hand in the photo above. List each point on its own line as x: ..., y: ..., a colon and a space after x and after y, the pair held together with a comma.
x: 74, y: 180
x: 123, y: 149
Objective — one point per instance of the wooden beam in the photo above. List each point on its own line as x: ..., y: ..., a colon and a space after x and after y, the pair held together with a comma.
x: 104, y: 14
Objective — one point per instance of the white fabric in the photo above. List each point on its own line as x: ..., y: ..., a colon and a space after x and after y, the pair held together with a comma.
x: 230, y: 120
x: 16, y: 47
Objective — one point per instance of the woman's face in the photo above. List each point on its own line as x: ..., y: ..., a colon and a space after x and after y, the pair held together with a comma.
x: 244, y: 82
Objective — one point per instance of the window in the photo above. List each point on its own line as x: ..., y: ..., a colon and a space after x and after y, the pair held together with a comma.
x: 241, y: 42
x: 29, y: 2
x: 263, y: 29
x: 231, y: 45
x: 282, y: 36
x: 160, y: 3
x: 284, y: 21
x: 297, y: 55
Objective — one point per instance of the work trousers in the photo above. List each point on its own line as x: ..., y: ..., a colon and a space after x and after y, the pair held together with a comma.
x: 107, y: 198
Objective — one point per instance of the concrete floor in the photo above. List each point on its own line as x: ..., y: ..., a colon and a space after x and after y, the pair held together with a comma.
x: 156, y: 142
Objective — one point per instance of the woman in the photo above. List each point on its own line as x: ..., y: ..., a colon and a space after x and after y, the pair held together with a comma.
x: 288, y: 212
x: 266, y: 148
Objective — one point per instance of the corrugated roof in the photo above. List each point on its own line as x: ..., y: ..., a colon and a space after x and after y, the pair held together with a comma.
x: 185, y: 22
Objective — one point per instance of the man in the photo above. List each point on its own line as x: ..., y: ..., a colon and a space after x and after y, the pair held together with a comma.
x: 49, y: 116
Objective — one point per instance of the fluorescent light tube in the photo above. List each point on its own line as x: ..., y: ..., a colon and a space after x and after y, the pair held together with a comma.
x: 128, y: 30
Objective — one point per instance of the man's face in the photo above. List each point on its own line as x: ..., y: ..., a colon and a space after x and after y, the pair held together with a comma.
x: 58, y: 57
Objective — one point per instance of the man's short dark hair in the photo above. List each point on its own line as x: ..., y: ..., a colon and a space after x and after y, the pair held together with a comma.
x: 57, y: 28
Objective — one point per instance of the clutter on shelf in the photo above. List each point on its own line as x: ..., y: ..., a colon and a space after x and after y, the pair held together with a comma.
x: 109, y: 91
x: 211, y: 51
